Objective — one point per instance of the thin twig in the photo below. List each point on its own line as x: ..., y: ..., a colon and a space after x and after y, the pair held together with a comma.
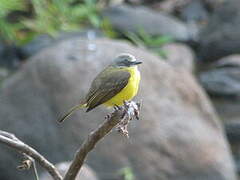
x: 35, y: 170
x: 12, y: 141
x: 127, y: 111
x: 27, y: 163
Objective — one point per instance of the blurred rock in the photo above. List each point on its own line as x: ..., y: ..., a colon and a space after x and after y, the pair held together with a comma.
x: 170, y: 6
x: 221, y: 37
x: 222, y: 81
x: 178, y: 136
x: 86, y: 172
x: 233, y: 131
x: 132, y: 19
x: 213, y: 4
x: 138, y: 2
x: 10, y: 56
x: 179, y: 56
x: 38, y: 43
x: 194, y: 12
x: 44, y: 41
x: 233, y: 134
x: 223, y: 78
x: 4, y: 72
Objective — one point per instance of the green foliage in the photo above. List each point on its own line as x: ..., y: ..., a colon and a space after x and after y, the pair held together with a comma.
x: 9, y: 30
x: 34, y: 17
x: 127, y: 173
x: 108, y: 29
x: 61, y: 15
x: 47, y: 17
x: 9, y: 5
x: 153, y: 42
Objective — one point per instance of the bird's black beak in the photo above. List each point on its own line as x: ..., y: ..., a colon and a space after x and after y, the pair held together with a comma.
x: 137, y: 62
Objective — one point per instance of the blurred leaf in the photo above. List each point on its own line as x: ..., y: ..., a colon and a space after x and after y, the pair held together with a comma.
x: 161, y: 40
x: 154, y: 40
x: 90, y: 3
x: 6, y: 30
x: 146, y: 38
x: 162, y: 53
x: 49, y: 17
x: 127, y: 173
x: 78, y: 12
x: 154, y: 43
x: 11, y: 5
x: 95, y: 20
x: 134, y: 38
x: 107, y: 28
x: 26, y: 37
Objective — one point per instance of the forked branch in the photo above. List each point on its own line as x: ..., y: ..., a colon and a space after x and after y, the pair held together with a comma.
x: 121, y: 117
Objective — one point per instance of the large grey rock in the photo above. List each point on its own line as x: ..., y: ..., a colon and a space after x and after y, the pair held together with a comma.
x: 221, y: 37
x: 86, y: 172
x: 178, y: 136
x: 179, y: 56
x: 132, y: 19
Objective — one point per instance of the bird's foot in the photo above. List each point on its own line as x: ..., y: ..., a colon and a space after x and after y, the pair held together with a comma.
x: 116, y: 107
x: 130, y: 112
x: 108, y: 116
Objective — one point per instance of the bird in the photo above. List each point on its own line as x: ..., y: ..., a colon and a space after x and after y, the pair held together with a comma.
x: 117, y: 83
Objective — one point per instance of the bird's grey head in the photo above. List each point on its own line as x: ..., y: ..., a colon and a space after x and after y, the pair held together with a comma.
x: 125, y: 60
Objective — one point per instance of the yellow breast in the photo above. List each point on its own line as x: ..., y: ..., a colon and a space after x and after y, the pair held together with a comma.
x: 129, y: 91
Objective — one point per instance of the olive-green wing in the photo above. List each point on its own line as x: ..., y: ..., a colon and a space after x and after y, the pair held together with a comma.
x: 105, y: 86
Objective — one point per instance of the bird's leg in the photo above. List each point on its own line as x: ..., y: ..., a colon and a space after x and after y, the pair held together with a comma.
x: 137, y: 110
x: 116, y: 108
x: 125, y: 107
x: 108, y: 116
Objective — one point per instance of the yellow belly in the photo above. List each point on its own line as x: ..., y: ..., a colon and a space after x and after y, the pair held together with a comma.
x: 129, y: 91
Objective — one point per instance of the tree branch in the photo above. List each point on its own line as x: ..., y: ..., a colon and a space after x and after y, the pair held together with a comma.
x: 121, y: 117
x: 12, y: 141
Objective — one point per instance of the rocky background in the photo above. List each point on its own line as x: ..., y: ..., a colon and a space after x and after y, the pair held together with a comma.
x: 190, y: 87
